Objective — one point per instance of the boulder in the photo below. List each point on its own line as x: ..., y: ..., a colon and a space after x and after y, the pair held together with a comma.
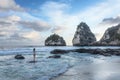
x: 19, y: 57
x: 32, y: 61
x: 111, y: 36
x: 83, y: 35
x: 98, y: 51
x: 55, y: 56
x: 55, y: 40
x: 59, y: 51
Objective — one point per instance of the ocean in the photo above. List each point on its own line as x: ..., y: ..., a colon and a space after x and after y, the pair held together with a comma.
x: 73, y: 66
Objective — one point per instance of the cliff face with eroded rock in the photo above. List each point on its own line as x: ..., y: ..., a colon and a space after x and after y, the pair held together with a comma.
x: 55, y: 40
x: 83, y: 35
x: 111, y: 37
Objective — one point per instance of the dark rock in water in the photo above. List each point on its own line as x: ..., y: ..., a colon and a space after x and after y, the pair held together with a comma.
x: 19, y: 57
x: 55, y: 56
x: 58, y: 51
x: 32, y: 61
x: 105, y: 52
x: 111, y: 37
x: 55, y: 40
x: 83, y: 36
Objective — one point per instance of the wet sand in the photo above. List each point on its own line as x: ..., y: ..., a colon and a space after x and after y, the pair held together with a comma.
x: 104, y: 70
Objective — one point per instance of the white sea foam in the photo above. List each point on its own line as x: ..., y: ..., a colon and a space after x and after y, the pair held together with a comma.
x: 45, y: 68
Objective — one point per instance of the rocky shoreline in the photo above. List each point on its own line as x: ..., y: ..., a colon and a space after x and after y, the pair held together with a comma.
x: 105, y: 52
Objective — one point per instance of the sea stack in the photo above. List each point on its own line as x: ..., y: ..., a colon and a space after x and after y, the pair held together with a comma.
x: 55, y: 40
x: 111, y: 36
x: 83, y: 35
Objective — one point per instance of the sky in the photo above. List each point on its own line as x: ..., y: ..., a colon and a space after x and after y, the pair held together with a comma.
x: 30, y: 22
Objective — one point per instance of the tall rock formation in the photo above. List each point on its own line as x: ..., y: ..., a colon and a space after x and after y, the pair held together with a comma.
x: 55, y: 40
x: 111, y: 36
x: 83, y: 36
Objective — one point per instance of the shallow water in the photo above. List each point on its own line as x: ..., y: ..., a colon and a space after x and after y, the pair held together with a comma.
x: 75, y: 65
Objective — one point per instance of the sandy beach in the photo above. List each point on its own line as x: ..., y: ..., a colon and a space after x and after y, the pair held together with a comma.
x: 103, y: 70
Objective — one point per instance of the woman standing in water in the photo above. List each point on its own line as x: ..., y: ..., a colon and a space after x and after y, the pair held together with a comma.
x: 34, y: 55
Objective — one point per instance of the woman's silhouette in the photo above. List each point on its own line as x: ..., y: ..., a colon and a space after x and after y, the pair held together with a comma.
x: 34, y: 55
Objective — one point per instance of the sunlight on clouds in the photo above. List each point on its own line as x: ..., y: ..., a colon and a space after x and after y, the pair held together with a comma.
x: 14, y: 18
x: 12, y: 32
x: 54, y: 11
x: 33, y: 35
x: 99, y: 36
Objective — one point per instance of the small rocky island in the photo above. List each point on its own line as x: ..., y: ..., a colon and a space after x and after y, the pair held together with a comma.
x: 55, y: 40
x: 111, y: 37
x: 83, y: 36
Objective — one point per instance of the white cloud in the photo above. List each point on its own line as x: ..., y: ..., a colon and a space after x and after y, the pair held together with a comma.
x: 35, y: 25
x: 55, y: 11
x: 32, y: 35
x: 7, y: 26
x: 14, y: 29
x: 58, y: 29
x: 18, y: 27
x: 110, y: 21
x: 7, y: 5
x: 35, y: 37
x: 14, y: 18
